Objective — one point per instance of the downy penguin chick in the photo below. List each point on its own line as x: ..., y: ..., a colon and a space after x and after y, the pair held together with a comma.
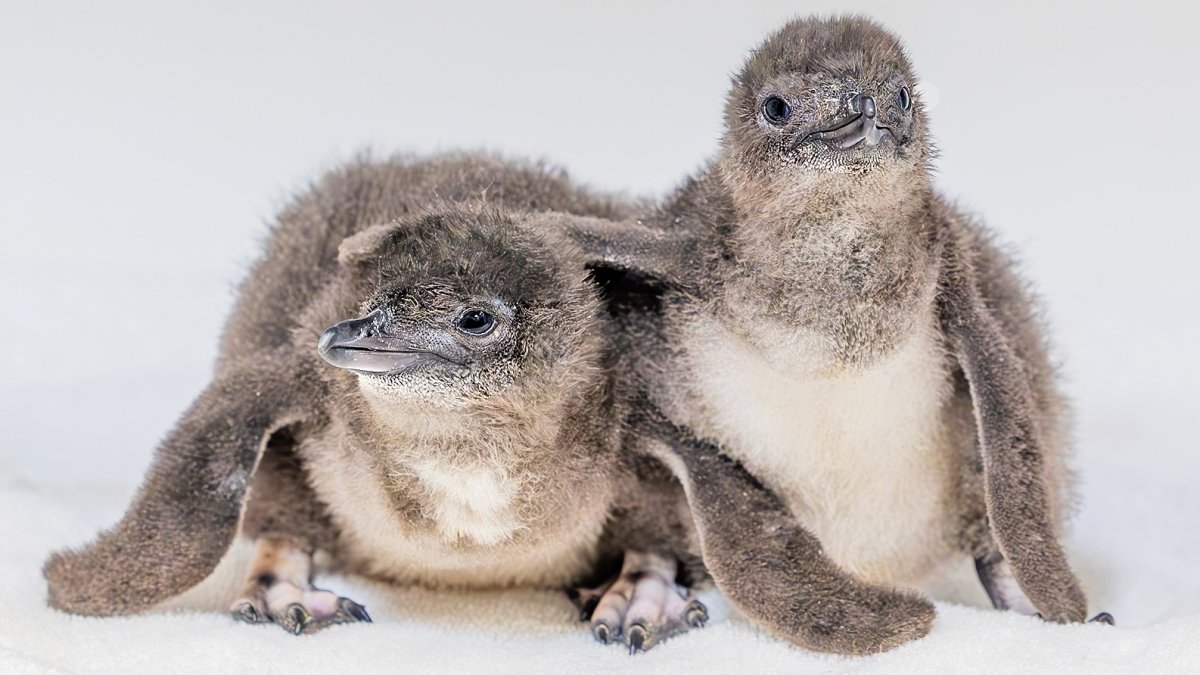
x: 847, y: 334
x: 455, y: 426
x: 268, y: 393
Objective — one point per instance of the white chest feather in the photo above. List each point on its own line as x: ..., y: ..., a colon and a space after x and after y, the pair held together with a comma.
x: 466, y: 526
x: 859, y: 457
x: 471, y: 502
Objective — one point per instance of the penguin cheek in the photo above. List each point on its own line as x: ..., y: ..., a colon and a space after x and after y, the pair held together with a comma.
x: 902, y: 130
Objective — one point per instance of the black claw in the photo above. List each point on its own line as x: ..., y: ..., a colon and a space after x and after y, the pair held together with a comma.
x: 588, y: 608
x: 637, y: 638
x: 355, y: 610
x: 247, y: 613
x: 1104, y: 617
x: 601, y: 633
x: 298, y: 617
x: 585, y: 602
x: 697, y: 614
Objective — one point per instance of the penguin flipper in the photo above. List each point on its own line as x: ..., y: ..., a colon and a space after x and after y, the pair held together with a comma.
x: 185, y: 515
x: 773, y: 569
x: 1015, y: 488
x: 626, y: 246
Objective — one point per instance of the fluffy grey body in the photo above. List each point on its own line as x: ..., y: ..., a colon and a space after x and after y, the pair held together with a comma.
x: 488, y: 460
x: 822, y: 314
x: 478, y: 430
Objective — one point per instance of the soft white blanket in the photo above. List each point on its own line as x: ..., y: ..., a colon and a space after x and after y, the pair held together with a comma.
x: 1135, y: 546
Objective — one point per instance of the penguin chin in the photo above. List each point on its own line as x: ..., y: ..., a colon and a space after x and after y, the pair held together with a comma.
x: 426, y: 388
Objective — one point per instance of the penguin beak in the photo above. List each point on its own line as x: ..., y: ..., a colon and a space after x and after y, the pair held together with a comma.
x: 364, y: 345
x: 862, y: 127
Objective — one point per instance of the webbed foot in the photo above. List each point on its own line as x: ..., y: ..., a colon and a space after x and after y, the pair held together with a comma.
x: 279, y: 591
x: 641, y: 607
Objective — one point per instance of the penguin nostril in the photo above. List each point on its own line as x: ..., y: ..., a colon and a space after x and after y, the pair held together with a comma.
x: 372, y: 324
x: 866, y: 106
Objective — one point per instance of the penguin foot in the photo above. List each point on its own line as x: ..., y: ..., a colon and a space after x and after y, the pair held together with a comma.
x: 1103, y: 617
x: 641, y: 607
x: 298, y: 611
x: 278, y: 591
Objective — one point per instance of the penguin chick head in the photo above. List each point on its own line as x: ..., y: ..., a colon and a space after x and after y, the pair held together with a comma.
x: 820, y: 96
x: 457, y: 306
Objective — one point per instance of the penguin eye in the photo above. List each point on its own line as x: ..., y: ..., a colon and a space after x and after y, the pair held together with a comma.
x: 776, y: 110
x: 476, y: 322
x: 904, y: 99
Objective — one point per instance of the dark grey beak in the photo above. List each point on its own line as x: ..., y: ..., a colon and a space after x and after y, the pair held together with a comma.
x: 861, y: 128
x: 365, y: 346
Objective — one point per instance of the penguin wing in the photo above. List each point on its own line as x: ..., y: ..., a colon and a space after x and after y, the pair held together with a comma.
x: 185, y: 515
x: 768, y: 565
x: 1015, y: 488
x: 629, y: 247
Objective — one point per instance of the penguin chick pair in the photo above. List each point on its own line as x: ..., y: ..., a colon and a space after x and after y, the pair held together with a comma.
x: 847, y: 334
x: 423, y: 383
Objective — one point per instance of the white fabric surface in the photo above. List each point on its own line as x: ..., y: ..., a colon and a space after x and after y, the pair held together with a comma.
x: 1132, y: 545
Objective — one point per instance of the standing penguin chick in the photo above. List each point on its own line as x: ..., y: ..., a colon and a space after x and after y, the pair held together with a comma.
x: 848, y: 335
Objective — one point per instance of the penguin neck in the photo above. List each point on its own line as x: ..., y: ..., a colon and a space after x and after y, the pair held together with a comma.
x: 846, y: 258
x: 516, y: 425
x: 782, y: 196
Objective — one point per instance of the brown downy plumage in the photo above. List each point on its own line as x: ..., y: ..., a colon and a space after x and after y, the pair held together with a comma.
x: 417, y: 382
x: 810, y: 304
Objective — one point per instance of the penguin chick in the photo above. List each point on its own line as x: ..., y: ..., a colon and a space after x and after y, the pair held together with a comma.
x: 846, y: 333
x: 455, y: 426
x: 475, y: 443
x: 245, y: 428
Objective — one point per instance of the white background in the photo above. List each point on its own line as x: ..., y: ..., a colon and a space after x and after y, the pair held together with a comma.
x: 144, y: 147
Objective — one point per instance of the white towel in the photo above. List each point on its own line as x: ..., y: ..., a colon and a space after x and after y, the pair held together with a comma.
x: 1132, y: 545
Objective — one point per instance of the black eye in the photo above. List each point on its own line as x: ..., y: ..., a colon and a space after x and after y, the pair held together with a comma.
x: 904, y: 99
x: 476, y: 322
x: 776, y: 110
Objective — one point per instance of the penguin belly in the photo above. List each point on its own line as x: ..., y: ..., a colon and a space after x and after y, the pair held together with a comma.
x: 860, y: 455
